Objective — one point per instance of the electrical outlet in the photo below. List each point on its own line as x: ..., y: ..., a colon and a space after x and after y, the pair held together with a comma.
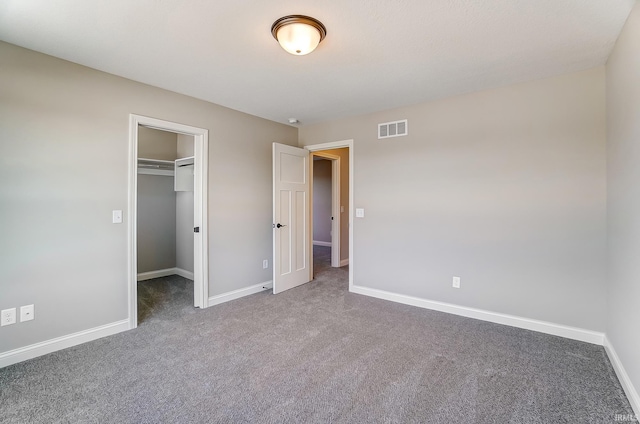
x: 456, y: 282
x: 7, y: 317
x: 26, y: 313
x: 265, y: 264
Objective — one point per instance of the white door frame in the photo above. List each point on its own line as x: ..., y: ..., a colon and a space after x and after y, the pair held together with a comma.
x: 335, y: 204
x: 200, y: 196
x: 339, y: 145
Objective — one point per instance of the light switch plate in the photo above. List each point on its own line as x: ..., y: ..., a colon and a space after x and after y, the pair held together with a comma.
x: 359, y: 213
x: 117, y: 217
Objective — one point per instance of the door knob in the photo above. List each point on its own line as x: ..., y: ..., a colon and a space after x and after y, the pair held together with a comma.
x: 280, y: 225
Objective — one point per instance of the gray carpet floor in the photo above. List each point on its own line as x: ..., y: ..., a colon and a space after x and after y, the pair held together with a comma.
x: 313, y: 354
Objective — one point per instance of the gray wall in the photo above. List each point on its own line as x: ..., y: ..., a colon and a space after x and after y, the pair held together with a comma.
x: 322, y: 200
x: 156, y: 204
x: 64, y: 167
x: 157, y: 144
x: 623, y: 207
x: 504, y: 188
x: 165, y: 217
x: 156, y: 223
x: 344, y: 199
x: 184, y: 230
x: 185, y: 147
x: 184, y: 212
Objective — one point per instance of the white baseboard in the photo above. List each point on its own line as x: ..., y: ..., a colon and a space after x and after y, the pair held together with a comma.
x: 184, y: 273
x: 498, y: 318
x: 164, y: 273
x: 344, y: 262
x: 236, y: 294
x: 322, y: 243
x: 59, y: 343
x: 625, y: 381
x: 156, y: 274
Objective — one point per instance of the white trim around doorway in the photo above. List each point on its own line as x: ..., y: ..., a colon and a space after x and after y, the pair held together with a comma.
x: 201, y: 246
x: 339, y: 145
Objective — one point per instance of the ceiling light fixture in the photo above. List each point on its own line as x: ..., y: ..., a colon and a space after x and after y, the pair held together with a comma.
x: 298, y: 34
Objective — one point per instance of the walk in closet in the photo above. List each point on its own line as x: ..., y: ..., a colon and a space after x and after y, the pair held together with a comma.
x: 165, y: 204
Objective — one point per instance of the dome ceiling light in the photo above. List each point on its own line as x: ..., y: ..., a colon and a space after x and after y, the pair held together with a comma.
x: 298, y: 34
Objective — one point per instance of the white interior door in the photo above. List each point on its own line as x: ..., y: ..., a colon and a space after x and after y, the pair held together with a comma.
x: 291, y: 229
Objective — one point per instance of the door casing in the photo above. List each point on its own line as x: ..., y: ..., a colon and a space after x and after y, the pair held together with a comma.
x: 339, y: 145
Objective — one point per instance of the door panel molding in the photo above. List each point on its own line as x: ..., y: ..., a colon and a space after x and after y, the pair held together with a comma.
x: 291, y: 232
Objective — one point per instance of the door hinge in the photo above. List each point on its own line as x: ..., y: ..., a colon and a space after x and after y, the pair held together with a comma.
x: 196, y: 229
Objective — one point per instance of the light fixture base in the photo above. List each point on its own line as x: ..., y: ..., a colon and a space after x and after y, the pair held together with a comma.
x: 298, y: 19
x: 298, y: 34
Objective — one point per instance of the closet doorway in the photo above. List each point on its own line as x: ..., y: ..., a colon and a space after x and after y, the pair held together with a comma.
x: 167, y: 207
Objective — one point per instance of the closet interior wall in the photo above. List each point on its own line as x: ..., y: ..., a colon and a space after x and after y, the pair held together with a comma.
x: 322, y: 202
x: 184, y: 212
x: 165, y: 216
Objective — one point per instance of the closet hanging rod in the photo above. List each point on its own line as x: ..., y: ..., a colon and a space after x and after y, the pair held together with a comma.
x: 156, y: 160
x: 153, y: 166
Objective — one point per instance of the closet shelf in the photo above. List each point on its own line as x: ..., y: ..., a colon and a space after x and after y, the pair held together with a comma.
x: 156, y: 167
x: 184, y: 174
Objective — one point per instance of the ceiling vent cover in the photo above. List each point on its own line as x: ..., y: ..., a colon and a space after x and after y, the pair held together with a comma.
x: 393, y: 129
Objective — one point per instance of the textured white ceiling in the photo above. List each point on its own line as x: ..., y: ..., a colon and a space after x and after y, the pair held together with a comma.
x: 378, y: 54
